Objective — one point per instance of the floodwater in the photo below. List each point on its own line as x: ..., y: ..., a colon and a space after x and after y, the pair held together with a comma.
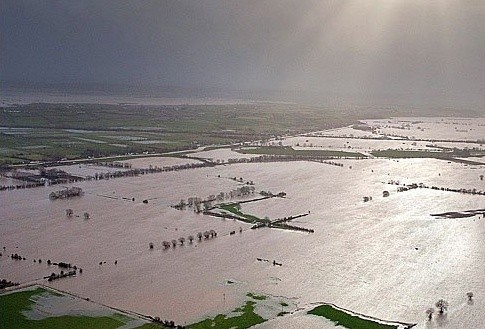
x: 387, y: 258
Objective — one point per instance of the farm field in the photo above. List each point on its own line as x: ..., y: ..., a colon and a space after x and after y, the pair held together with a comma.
x: 51, y: 132
x: 385, y: 258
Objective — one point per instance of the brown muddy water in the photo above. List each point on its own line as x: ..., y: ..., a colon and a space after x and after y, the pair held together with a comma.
x: 387, y: 258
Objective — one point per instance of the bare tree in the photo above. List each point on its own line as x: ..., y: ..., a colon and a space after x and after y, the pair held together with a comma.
x: 430, y: 312
x: 442, y: 305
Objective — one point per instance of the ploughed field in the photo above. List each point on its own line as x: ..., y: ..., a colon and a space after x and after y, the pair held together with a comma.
x: 386, y: 258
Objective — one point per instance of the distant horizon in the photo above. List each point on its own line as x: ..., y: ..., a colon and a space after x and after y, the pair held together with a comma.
x: 312, y: 98
x: 379, y: 51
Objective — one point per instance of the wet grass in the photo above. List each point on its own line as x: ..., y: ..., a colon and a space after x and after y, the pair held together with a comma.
x: 246, y: 319
x: 12, y: 305
x: 346, y: 320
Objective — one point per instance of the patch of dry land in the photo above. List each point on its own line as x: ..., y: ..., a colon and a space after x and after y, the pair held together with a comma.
x: 385, y: 259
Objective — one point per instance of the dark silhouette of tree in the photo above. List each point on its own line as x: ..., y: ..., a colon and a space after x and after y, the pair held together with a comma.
x: 212, y: 233
x: 430, y: 312
x: 442, y: 305
x: 182, y: 240
x: 174, y: 243
x: 166, y: 244
x: 86, y: 215
x: 150, y: 245
x: 69, y: 212
x: 191, y: 238
x: 206, y: 234
x: 469, y: 295
x: 199, y: 236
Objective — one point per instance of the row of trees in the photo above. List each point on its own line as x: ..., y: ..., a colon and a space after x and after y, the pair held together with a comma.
x: 105, y: 176
x: 412, y: 186
x: 199, y: 204
x: 173, y: 243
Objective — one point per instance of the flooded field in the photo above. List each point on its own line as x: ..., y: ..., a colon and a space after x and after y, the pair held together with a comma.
x: 386, y: 258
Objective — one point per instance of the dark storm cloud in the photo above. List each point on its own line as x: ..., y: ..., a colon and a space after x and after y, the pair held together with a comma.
x: 377, y: 46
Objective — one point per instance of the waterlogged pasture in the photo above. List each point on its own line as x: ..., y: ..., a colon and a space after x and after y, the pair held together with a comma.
x: 387, y: 258
x: 36, y: 307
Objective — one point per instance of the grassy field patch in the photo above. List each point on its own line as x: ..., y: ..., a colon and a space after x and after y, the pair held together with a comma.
x: 244, y: 217
x: 347, y: 320
x: 289, y: 151
x: 410, y: 154
x: 13, y: 306
x: 247, y: 319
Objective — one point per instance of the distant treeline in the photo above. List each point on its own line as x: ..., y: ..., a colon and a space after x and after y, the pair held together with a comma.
x: 412, y: 186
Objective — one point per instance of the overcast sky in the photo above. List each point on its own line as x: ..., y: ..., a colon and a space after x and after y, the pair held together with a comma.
x: 411, y: 47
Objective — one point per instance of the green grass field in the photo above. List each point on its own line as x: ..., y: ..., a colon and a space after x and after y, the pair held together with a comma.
x: 410, y: 154
x: 287, y: 150
x: 12, y: 305
x: 246, y: 319
x: 244, y: 217
x: 50, y: 132
x: 347, y: 320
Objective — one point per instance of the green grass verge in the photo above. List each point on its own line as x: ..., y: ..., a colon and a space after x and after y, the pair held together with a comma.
x: 346, y: 320
x: 247, y: 319
x: 289, y: 151
x: 12, y: 305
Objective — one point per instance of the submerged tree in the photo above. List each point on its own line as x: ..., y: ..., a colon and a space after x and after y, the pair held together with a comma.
x: 430, y: 312
x: 442, y: 305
